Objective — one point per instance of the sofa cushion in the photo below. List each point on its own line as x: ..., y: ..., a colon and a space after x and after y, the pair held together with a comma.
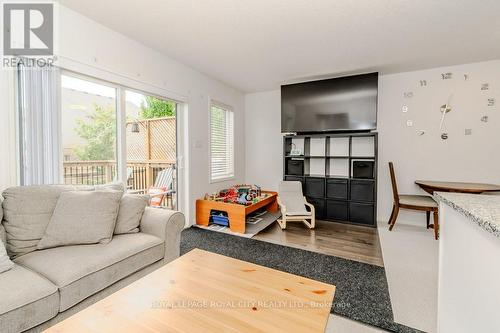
x: 27, y: 211
x: 132, y: 207
x: 82, y: 217
x: 3, y: 236
x: 80, y: 271
x: 114, y: 186
x: 5, y: 262
x: 27, y: 299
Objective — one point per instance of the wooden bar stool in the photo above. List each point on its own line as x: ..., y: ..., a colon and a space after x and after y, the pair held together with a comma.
x: 414, y: 202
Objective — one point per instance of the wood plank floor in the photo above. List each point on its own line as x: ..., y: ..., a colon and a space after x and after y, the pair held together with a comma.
x: 341, y: 240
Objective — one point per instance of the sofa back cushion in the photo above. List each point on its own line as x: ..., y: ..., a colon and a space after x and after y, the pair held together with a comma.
x: 115, y: 186
x: 27, y: 211
x: 82, y: 217
x: 132, y: 207
x: 5, y: 263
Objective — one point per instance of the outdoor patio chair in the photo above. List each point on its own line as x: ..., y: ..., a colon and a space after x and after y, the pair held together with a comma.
x: 293, y: 205
x: 163, y: 189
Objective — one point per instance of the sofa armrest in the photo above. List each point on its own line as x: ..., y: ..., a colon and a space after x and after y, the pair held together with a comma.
x: 167, y: 225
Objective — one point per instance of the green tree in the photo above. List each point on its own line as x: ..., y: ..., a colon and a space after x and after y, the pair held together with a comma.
x: 99, y: 130
x: 153, y: 107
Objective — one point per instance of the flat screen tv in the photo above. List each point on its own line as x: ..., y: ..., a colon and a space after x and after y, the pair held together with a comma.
x: 340, y: 104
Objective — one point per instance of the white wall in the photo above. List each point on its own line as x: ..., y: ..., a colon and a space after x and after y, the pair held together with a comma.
x: 263, y: 139
x: 460, y: 158
x: 89, y: 47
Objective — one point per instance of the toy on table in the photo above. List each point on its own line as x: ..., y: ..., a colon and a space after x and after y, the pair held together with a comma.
x: 239, y: 194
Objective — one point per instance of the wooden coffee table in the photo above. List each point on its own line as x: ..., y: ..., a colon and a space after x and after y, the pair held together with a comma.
x: 207, y: 292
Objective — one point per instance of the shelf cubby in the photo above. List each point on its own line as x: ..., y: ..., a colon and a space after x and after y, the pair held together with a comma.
x: 338, y: 167
x: 326, y: 165
x: 338, y: 147
x: 363, y: 146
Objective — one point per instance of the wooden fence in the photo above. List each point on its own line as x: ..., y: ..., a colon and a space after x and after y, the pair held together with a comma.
x: 154, y: 141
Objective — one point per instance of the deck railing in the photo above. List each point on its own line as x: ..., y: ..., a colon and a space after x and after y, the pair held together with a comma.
x: 141, y: 174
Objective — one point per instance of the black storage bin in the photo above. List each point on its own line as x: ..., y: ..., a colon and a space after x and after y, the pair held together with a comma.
x: 361, y: 213
x: 315, y: 187
x: 363, y: 169
x: 337, y: 188
x: 337, y: 210
x: 362, y: 190
x: 295, y: 167
x: 319, y: 206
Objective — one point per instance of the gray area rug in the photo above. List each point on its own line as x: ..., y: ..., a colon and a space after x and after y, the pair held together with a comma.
x: 255, y: 224
x: 361, y: 289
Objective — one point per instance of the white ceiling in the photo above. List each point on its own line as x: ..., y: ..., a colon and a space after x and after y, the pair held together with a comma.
x: 256, y: 45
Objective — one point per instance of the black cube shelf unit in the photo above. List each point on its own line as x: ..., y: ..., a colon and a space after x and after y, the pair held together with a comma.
x: 338, y: 191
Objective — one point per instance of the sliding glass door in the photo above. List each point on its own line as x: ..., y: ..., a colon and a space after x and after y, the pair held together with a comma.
x: 110, y: 132
x: 88, y: 131
x: 151, y: 146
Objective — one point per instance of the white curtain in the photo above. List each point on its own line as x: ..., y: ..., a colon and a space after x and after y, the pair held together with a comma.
x: 38, y: 101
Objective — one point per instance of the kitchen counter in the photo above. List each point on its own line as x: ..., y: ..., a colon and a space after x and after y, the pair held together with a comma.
x: 484, y: 210
x: 469, y: 253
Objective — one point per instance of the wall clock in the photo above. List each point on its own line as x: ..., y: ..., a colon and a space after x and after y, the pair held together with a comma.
x: 462, y: 82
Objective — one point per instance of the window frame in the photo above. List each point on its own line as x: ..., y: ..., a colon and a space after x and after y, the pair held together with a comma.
x: 227, y: 108
x: 119, y: 119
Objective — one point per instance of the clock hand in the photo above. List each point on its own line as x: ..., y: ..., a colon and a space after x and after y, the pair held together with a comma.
x: 444, y: 110
x: 442, y: 119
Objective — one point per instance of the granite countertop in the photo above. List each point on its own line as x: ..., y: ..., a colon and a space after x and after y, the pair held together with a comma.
x: 479, y: 208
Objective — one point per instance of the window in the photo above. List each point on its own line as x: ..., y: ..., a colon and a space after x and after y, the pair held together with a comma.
x: 88, y: 117
x: 221, y: 143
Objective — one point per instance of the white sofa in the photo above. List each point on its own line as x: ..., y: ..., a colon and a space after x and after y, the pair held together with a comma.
x: 46, y: 286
